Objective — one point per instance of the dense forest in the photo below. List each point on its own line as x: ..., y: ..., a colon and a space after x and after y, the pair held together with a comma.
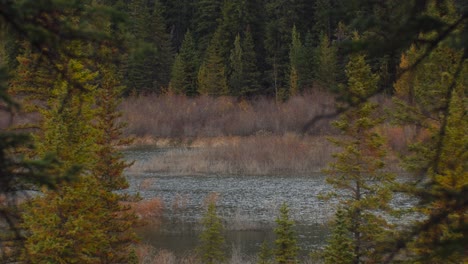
x: 69, y: 65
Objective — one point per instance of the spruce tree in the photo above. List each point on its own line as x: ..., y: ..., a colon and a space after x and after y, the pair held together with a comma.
x: 327, y: 68
x: 252, y: 74
x: 184, y: 69
x: 205, y: 22
x: 265, y: 255
x: 178, y: 16
x: 236, y: 76
x: 286, y: 243
x: 339, y: 247
x: 150, y: 58
x: 212, y: 74
x: 309, y: 61
x: 211, y: 248
x: 295, y: 65
x: 432, y: 96
x: 82, y: 221
x: 357, y: 174
x: 44, y: 36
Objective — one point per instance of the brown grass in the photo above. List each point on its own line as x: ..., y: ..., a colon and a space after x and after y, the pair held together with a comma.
x: 254, y: 155
x: 149, y: 210
x: 149, y: 255
x: 173, y: 116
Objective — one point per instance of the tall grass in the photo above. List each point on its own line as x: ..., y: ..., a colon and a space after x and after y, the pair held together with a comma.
x: 254, y: 155
x: 204, y: 116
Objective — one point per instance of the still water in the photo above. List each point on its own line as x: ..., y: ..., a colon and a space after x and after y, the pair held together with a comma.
x: 247, y: 204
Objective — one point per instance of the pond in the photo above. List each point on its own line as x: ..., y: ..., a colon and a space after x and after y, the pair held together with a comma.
x: 247, y: 204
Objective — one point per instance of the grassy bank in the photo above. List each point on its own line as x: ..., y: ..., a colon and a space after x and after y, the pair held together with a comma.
x: 253, y: 155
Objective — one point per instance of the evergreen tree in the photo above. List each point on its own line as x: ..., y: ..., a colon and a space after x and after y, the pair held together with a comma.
x: 277, y: 39
x: 184, y: 69
x: 265, y: 255
x: 309, y: 59
x: 296, y: 67
x: 211, y: 247
x: 149, y: 61
x: 236, y: 76
x: 212, y: 74
x: 432, y: 96
x: 82, y: 221
x: 178, y: 16
x: 26, y: 19
x: 339, y: 247
x: 250, y: 67
x: 357, y: 173
x: 244, y: 78
x: 285, y: 243
x: 327, y: 68
x: 206, y: 21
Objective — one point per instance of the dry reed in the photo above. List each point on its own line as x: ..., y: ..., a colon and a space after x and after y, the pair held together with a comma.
x: 255, y: 155
x: 173, y: 116
x: 149, y: 210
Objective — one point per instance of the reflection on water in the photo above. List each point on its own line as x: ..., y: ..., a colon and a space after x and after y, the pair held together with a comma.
x: 248, y: 205
x: 182, y: 238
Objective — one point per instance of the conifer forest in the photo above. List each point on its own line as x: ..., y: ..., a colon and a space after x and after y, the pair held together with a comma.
x: 237, y: 132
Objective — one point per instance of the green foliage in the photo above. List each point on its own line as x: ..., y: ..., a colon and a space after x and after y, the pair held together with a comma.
x: 286, y: 242
x: 184, y: 69
x: 149, y: 61
x: 50, y: 28
x: 309, y: 61
x: 244, y: 76
x: 211, y: 248
x: 109, y: 165
x: 236, y: 77
x: 77, y: 224
x: 433, y: 96
x: 80, y: 129
x: 295, y: 56
x: 339, y: 247
x: 178, y: 16
x: 205, y: 22
x: 212, y: 74
x: 277, y: 39
x: 265, y: 256
x: 363, y: 187
x: 327, y: 68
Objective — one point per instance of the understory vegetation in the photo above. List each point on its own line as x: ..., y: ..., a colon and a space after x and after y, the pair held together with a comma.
x: 359, y: 91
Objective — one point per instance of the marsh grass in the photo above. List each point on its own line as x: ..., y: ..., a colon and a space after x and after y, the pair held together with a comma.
x: 148, y: 210
x: 173, y: 116
x: 254, y: 155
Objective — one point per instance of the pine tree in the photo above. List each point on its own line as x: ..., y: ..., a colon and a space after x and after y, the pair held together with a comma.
x: 150, y: 58
x: 357, y: 174
x: 236, y: 76
x: 244, y: 78
x: 211, y: 247
x: 339, y: 247
x: 327, y: 68
x: 178, y: 16
x: 296, y: 67
x: 212, y: 74
x: 309, y: 61
x: 205, y: 23
x: 252, y: 74
x: 265, y: 255
x: 82, y: 221
x: 277, y: 39
x: 184, y: 69
x: 432, y: 96
x: 46, y: 36
x: 285, y: 243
